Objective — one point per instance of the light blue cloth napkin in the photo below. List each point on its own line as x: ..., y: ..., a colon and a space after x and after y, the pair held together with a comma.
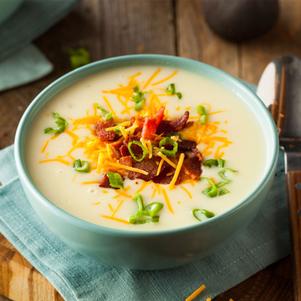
x: 20, y: 62
x: 31, y: 19
x: 77, y: 277
x: 25, y: 66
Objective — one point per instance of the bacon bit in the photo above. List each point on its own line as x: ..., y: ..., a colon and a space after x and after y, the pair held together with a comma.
x: 165, y: 78
x: 151, y: 78
x: 196, y: 293
x: 115, y: 219
x: 151, y: 124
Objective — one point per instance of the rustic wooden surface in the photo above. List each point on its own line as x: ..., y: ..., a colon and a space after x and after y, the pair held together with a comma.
x: 116, y: 27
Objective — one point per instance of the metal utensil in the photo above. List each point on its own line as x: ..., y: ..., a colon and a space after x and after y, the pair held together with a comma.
x: 280, y: 89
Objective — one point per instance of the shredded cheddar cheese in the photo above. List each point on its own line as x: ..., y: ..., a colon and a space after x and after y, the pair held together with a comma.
x: 115, y: 219
x: 121, y: 166
x: 165, y: 78
x: 196, y: 293
x: 186, y: 191
x: 57, y: 159
x: 166, y: 198
x: 147, y: 83
x: 177, y: 171
x: 160, y: 167
x: 166, y: 160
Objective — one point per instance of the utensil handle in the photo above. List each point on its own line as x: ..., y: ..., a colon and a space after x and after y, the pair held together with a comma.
x: 294, y: 201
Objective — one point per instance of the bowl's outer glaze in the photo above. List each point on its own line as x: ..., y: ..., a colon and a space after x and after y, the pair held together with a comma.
x: 7, y: 8
x: 147, y: 250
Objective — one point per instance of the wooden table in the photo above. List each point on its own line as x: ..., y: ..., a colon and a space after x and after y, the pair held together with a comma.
x: 115, y: 27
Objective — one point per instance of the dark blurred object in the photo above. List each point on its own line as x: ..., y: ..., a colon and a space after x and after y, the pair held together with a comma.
x: 238, y: 20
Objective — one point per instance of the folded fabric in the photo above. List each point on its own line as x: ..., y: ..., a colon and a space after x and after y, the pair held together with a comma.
x: 78, y: 277
x: 20, y: 62
x: 30, y: 20
x: 25, y: 66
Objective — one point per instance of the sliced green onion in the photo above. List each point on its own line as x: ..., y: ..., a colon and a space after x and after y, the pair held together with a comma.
x: 60, y: 122
x: 105, y: 114
x: 222, y: 174
x: 201, y: 110
x: 140, y: 218
x: 202, y: 214
x: 223, y: 191
x: 171, y: 90
x: 115, y: 180
x: 81, y: 165
x: 78, y: 57
x: 143, y: 148
x: 139, y: 200
x: 210, y: 163
x: 221, y: 163
x: 214, y: 162
x: 153, y: 208
x: 147, y: 214
x: 138, y: 98
x: 168, y: 141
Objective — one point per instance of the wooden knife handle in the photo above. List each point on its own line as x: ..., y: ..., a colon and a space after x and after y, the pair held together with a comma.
x: 294, y: 202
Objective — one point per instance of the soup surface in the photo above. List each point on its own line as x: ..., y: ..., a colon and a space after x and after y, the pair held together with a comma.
x: 82, y: 170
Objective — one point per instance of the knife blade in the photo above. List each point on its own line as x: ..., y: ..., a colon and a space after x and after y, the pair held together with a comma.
x: 279, y: 88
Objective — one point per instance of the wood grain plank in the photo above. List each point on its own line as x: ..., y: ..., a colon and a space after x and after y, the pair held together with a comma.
x: 284, y: 38
x: 137, y: 27
x: 195, y: 40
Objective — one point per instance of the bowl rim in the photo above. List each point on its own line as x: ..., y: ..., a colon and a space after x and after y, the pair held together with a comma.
x: 232, y: 82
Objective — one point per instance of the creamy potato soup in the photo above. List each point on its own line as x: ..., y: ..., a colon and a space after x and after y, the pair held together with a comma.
x: 145, y: 148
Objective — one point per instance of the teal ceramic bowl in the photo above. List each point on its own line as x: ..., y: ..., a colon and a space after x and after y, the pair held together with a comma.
x: 7, y: 8
x: 147, y: 250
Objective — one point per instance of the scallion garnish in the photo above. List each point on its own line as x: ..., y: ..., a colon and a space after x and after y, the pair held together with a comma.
x: 218, y: 189
x: 210, y: 163
x: 171, y: 90
x: 168, y: 141
x: 222, y: 174
x: 202, y: 214
x: 214, y: 163
x: 105, y: 114
x: 145, y: 214
x: 81, y: 165
x: 221, y: 163
x: 115, y: 180
x: 144, y: 151
x: 138, y: 98
x: 154, y: 208
x: 201, y: 110
x: 78, y: 57
x: 60, y: 122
